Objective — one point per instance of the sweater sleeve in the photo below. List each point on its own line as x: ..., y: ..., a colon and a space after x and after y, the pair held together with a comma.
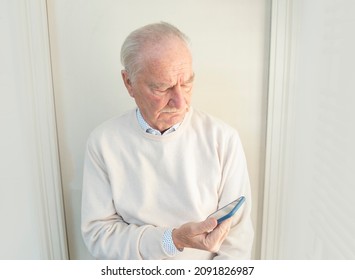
x: 235, y: 182
x: 105, y: 233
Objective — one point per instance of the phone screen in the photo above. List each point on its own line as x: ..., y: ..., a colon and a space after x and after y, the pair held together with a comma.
x: 227, y: 211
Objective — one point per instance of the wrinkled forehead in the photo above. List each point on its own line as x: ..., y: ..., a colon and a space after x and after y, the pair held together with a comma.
x: 167, y: 59
x: 170, y: 50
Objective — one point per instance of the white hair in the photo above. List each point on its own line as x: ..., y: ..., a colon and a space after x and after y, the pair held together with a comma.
x: 132, y: 48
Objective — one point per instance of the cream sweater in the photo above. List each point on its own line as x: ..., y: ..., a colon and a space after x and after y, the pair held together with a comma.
x: 136, y: 185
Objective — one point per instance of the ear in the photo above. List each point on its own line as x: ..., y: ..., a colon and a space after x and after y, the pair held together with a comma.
x: 127, y: 82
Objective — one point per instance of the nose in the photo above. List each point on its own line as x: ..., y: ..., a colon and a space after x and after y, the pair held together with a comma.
x: 177, y: 98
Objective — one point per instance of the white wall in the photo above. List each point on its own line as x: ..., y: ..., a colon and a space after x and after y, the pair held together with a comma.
x: 230, y: 45
x: 31, y: 217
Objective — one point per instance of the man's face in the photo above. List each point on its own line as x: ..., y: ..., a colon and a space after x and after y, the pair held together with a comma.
x: 162, y: 89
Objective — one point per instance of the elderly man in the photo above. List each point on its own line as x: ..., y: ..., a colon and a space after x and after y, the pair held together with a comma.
x: 153, y: 175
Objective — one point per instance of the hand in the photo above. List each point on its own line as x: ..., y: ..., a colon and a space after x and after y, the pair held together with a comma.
x: 206, y: 235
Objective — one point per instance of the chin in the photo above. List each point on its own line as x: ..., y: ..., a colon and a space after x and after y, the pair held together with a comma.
x: 176, y: 118
x: 172, y: 120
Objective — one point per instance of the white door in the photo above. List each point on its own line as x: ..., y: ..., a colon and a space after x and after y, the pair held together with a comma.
x: 310, y: 188
x: 230, y: 45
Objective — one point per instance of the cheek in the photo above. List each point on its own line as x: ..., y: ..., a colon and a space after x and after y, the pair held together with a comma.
x: 188, y: 98
x: 152, y: 105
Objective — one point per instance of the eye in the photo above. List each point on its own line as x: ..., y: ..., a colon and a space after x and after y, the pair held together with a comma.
x: 187, y: 87
x: 161, y: 92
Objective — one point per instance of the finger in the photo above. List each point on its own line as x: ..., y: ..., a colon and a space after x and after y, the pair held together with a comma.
x: 226, y: 224
x: 205, y: 226
x: 224, y: 227
x: 218, y: 235
x: 189, y: 233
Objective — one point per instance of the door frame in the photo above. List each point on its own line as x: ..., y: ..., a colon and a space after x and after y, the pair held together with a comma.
x: 279, y: 124
x: 40, y: 88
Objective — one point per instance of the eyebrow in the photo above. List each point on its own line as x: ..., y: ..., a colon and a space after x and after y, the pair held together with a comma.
x: 158, y: 85
x: 165, y: 85
x: 191, y: 79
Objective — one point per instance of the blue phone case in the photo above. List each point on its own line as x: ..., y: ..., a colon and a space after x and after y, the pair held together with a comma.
x: 239, y: 201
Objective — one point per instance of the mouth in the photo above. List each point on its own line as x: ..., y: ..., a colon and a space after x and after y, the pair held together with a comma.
x: 174, y: 111
x: 171, y: 112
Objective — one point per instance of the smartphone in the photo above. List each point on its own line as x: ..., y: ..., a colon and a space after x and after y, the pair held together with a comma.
x: 228, y: 211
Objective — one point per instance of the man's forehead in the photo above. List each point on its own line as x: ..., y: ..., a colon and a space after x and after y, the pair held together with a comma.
x: 165, y: 71
x: 165, y: 65
x: 166, y: 50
